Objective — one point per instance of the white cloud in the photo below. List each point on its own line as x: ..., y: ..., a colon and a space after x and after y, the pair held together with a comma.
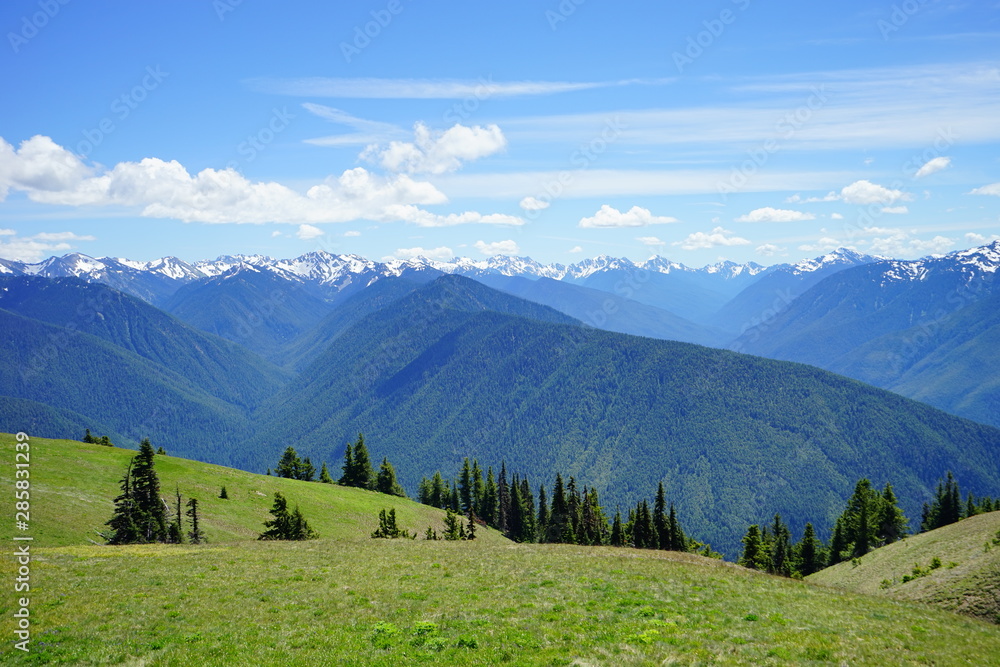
x: 307, y: 232
x: 50, y: 174
x: 898, y: 243
x: 895, y: 210
x: 497, y: 248
x: 717, y: 237
x: 650, y: 241
x: 352, y: 233
x: 443, y: 253
x: 437, y: 152
x: 533, y: 204
x: 38, y: 246
x: 768, y: 214
x: 608, y: 217
x: 797, y: 199
x: 933, y: 166
x: 371, y: 88
x: 576, y: 249
x: 980, y: 239
x: 865, y: 192
x: 992, y: 189
x: 769, y: 250
x: 836, y: 216
x: 275, y: 234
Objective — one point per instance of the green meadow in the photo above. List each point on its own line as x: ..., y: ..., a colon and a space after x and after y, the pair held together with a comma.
x: 346, y: 599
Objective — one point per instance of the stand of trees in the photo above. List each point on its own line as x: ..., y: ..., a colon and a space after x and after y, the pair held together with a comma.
x: 357, y: 470
x: 141, y: 514
x: 871, y: 519
x: 573, y: 516
x: 286, y: 525
x: 103, y: 440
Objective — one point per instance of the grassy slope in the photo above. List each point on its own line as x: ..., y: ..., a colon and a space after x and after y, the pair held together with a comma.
x: 348, y: 600
x: 970, y: 586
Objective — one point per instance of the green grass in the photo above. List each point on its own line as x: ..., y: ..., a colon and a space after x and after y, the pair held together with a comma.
x: 968, y: 580
x: 346, y: 599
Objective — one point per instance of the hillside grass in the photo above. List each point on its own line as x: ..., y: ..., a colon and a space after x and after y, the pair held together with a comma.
x: 346, y: 599
x: 967, y: 581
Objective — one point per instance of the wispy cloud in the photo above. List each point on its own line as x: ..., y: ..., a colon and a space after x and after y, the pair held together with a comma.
x: 366, y: 131
x: 769, y: 214
x: 714, y: 239
x: 610, y: 217
x: 374, y: 88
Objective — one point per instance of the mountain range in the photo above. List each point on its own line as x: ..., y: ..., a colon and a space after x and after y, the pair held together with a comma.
x: 253, y: 354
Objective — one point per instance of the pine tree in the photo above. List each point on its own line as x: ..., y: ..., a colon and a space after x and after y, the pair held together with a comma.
x: 306, y: 470
x: 838, y: 542
x: 465, y: 486
x: 529, y: 529
x: 105, y: 441
x: 664, y: 538
x: 160, y: 450
x: 515, y: 520
x: 617, y: 533
x: 753, y: 549
x: 781, y: 548
x: 478, y: 489
x: 223, y: 495
x: 452, y: 526
x: 439, y: 490
x: 471, y: 532
x: 892, y: 524
x: 575, y: 505
x: 503, y: 499
x: 123, y: 523
x: 195, y: 535
x: 559, y: 515
x: 386, y: 481
x: 324, y: 475
x: 289, y: 464
x: 808, y: 552
x: 676, y: 539
x: 643, y: 532
x: 542, y: 523
x: 280, y: 527
x: 387, y: 527
x: 150, y: 514
x: 347, y: 477
x: 301, y: 530
x: 488, y: 511
x: 363, y: 473
x: 88, y: 438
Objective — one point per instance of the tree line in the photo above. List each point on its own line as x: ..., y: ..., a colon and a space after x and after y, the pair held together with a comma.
x: 572, y: 516
x: 870, y: 519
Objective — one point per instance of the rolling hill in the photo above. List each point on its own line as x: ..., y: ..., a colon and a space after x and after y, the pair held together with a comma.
x: 967, y: 579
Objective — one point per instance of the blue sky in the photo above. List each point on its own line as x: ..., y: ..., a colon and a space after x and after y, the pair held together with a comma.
x: 732, y: 129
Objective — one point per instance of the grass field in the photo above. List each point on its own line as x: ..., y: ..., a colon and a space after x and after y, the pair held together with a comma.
x: 346, y: 599
x: 967, y: 580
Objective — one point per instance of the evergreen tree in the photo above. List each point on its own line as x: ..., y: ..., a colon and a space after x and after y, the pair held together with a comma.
x: 808, y: 552
x: 347, y: 476
x: 223, y: 494
x: 386, y: 481
x: 453, y: 529
x: 306, y: 470
x: 781, y: 548
x: 289, y: 464
x: 643, y: 532
x: 387, y: 527
x: 465, y: 486
x: 529, y: 529
x: 89, y: 439
x: 515, y: 520
x: 105, y: 441
x: 676, y: 540
x: 575, y: 506
x: 324, y: 475
x: 478, y: 489
x: 123, y: 523
x: 471, y: 532
x: 665, y: 539
x: 160, y: 450
x: 364, y: 474
x: 542, y: 523
x: 892, y: 524
x: 280, y: 527
x: 946, y: 507
x: 838, y: 542
x: 617, y: 532
x: 301, y: 530
x: 195, y: 534
x: 454, y: 502
x: 753, y: 549
x: 439, y: 497
x: 151, y: 517
x: 559, y: 515
x: 488, y: 510
x: 503, y: 499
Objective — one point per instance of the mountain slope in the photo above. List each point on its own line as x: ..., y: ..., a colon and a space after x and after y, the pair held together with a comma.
x: 968, y: 580
x: 734, y: 438
x: 605, y: 310
x: 926, y: 328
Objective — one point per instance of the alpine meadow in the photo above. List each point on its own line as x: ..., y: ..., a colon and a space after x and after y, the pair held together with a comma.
x: 570, y: 333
